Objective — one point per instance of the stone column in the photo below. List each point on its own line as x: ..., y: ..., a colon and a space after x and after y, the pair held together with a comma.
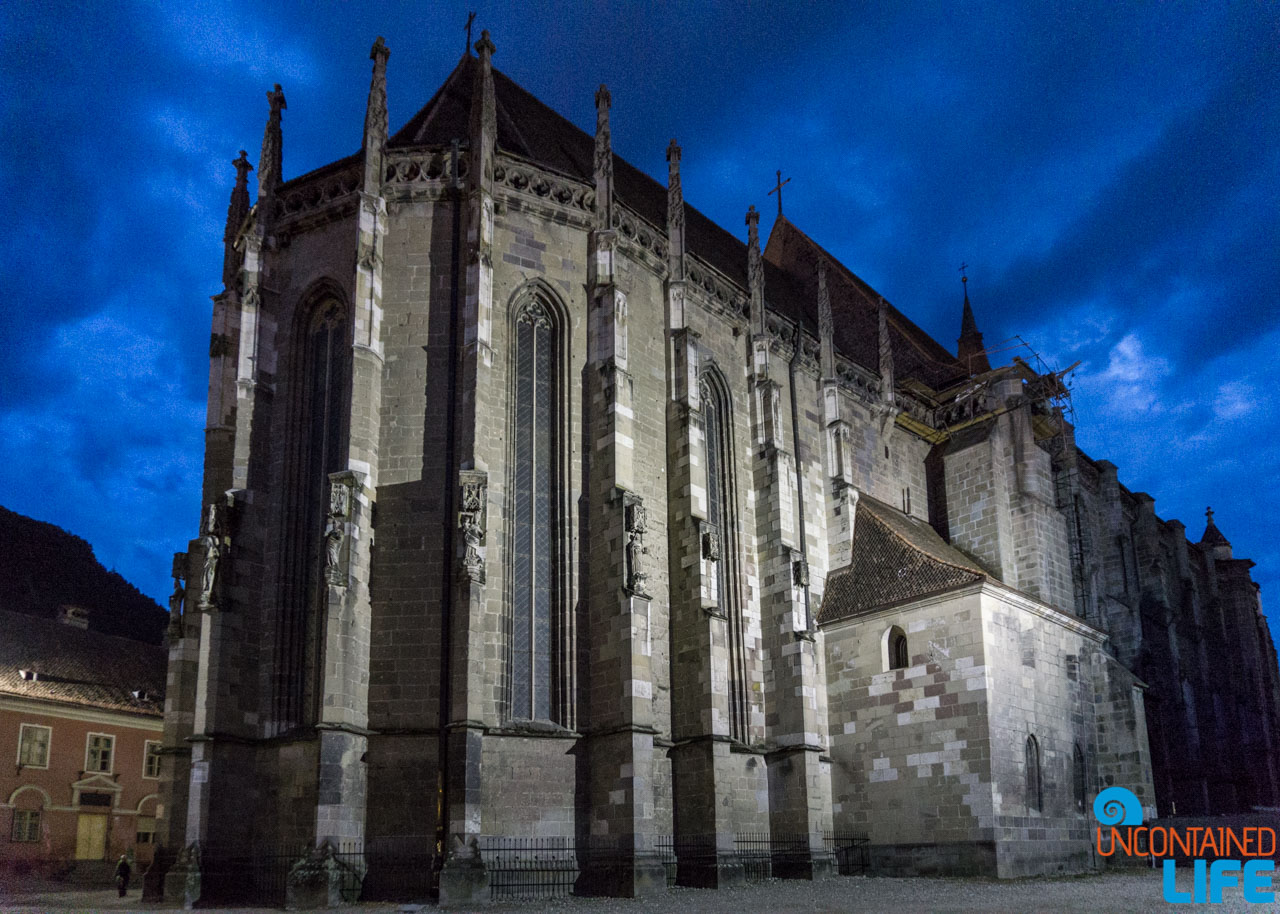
x: 463, y: 879
x: 621, y: 859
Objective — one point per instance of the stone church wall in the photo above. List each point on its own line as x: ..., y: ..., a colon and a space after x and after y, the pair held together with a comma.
x: 911, y: 747
x: 1038, y: 668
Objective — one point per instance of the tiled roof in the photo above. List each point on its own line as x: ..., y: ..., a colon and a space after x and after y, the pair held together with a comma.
x: 531, y: 130
x: 896, y: 558
x: 78, y: 667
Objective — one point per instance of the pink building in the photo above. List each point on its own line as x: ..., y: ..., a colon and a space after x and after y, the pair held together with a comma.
x: 81, y: 718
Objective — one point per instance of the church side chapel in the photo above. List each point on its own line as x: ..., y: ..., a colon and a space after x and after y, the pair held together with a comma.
x: 537, y: 506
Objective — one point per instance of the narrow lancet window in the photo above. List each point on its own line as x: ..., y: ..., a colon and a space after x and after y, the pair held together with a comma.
x: 717, y: 418
x: 322, y: 378
x: 535, y: 533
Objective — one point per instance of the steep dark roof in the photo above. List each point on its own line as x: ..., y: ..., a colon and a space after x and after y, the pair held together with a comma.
x: 530, y: 129
x: 896, y: 558
x: 854, y: 308
x: 78, y: 667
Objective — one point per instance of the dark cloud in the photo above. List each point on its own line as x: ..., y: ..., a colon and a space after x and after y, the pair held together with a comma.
x: 1109, y: 170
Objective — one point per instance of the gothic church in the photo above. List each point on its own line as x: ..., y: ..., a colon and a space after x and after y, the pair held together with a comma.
x: 538, y: 505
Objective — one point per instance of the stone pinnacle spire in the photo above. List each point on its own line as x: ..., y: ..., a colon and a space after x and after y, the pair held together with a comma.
x: 971, y: 350
x: 236, y: 211
x: 375, y: 117
x: 603, y: 165
x: 886, y: 352
x: 675, y: 213
x: 270, y: 163
x: 484, y: 114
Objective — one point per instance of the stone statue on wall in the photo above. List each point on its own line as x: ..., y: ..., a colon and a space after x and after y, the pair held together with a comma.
x: 335, y: 530
x: 471, y: 522
x: 214, y: 544
x: 636, y: 524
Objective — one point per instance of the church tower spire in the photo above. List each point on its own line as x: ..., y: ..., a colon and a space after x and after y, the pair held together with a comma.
x: 236, y: 211
x: 270, y: 163
x: 971, y: 351
x: 1213, y: 538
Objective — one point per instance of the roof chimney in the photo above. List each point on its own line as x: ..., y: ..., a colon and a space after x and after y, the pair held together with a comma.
x: 76, y: 616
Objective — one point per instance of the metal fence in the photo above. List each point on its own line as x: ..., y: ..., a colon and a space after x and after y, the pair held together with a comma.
x: 408, y: 868
x: 529, y: 867
x: 851, y: 850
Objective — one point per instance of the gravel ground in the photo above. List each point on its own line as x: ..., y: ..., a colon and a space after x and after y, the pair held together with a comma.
x: 1123, y: 892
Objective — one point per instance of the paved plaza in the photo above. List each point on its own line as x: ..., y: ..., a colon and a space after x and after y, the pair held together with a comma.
x: 1124, y: 893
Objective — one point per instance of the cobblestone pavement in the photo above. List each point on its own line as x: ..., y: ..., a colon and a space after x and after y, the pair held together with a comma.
x: 1123, y: 893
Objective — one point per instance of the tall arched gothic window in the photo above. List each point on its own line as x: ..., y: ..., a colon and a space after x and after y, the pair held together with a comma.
x: 537, y: 619
x: 717, y: 416
x: 1035, y: 790
x: 1080, y: 780
x: 319, y: 421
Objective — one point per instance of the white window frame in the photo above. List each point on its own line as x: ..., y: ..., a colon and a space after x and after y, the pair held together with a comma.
x: 24, y: 837
x: 111, y: 758
x: 146, y: 757
x: 48, y: 745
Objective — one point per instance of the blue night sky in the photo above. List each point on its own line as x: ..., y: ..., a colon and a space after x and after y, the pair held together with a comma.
x: 1109, y: 171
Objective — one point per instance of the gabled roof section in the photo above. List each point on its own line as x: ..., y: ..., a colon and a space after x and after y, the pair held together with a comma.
x: 49, y: 661
x: 896, y: 558
x: 854, y: 307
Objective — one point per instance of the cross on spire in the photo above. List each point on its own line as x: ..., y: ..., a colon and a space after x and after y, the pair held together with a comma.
x: 964, y: 277
x: 778, y: 190
x: 471, y: 17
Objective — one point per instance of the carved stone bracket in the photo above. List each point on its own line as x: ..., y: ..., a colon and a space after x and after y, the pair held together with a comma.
x: 337, y: 542
x: 635, y: 524
x: 473, y: 521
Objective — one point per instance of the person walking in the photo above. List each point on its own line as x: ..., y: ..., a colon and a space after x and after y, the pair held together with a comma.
x: 122, y: 874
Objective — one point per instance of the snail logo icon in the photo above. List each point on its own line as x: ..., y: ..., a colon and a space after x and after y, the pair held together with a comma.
x: 1117, y: 806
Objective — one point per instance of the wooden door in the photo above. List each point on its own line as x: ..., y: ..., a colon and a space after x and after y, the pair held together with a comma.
x: 91, y: 837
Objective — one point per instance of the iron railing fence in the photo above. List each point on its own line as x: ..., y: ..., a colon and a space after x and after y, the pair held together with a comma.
x: 529, y: 867
x: 407, y: 868
x: 851, y: 850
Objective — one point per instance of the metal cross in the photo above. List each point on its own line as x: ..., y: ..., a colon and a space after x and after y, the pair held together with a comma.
x: 963, y: 276
x: 471, y: 17
x: 778, y: 190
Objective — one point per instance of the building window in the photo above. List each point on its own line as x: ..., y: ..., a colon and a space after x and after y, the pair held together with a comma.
x: 101, y: 747
x: 717, y: 416
x: 537, y: 580
x: 146, y: 832
x: 1080, y: 780
x: 321, y: 372
x: 1035, y: 791
x: 33, y: 746
x: 26, y: 825
x: 151, y: 760
x: 895, y: 654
